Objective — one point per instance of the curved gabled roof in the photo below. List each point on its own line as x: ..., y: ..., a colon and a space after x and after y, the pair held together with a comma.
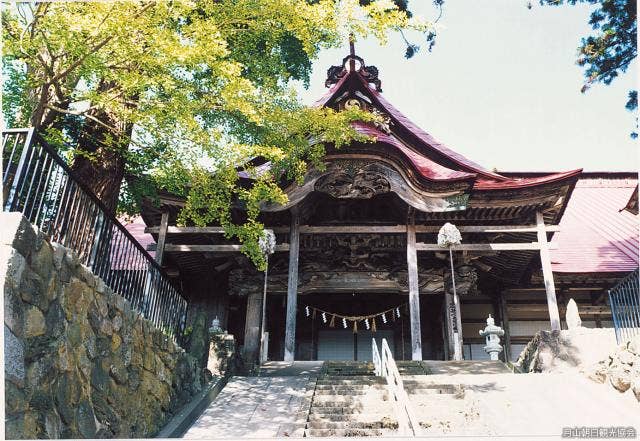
x: 430, y: 158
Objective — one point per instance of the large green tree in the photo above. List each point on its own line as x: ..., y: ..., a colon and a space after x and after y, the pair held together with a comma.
x: 183, y: 92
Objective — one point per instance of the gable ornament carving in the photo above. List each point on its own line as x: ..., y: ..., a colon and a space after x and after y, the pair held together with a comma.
x: 362, y: 184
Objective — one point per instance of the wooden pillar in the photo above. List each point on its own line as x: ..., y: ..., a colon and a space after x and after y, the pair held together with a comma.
x: 449, y: 320
x: 252, y: 328
x: 162, y: 236
x: 545, y: 259
x: 414, y: 295
x: 504, y: 314
x: 292, y: 288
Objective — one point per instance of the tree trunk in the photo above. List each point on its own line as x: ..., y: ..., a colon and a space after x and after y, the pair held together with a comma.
x: 100, y: 162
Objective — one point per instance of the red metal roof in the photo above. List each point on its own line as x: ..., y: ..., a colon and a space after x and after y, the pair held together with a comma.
x: 432, y: 159
x: 596, y: 236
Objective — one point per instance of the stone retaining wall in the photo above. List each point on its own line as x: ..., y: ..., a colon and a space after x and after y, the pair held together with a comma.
x: 79, y: 362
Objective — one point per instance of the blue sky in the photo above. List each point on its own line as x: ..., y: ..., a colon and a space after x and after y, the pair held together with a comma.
x: 502, y: 88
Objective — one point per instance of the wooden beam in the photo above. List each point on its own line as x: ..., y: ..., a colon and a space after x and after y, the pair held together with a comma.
x: 582, y: 309
x: 175, y: 248
x: 414, y: 295
x: 292, y: 288
x: 162, y: 237
x: 319, y: 229
x: 524, y: 246
x: 545, y: 259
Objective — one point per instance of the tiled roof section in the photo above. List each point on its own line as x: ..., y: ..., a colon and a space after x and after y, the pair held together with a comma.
x: 596, y: 235
x: 426, y: 167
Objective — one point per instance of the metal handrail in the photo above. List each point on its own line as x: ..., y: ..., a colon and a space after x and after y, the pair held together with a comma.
x: 40, y: 184
x: 624, y: 300
x: 385, y: 366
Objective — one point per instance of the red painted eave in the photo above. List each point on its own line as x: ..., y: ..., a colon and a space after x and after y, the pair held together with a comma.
x: 484, y: 184
x: 424, y: 166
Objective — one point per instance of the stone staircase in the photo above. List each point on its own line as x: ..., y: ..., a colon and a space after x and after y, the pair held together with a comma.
x: 408, y: 367
x: 349, y: 400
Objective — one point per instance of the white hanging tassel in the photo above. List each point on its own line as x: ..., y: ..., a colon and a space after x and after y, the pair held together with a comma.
x: 366, y: 323
x: 324, y: 318
x: 384, y: 318
x: 344, y: 322
x: 306, y: 310
x: 398, y: 312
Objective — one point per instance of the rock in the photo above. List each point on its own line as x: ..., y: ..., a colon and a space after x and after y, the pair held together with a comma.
x: 100, y: 378
x: 86, y: 419
x: 627, y: 357
x: 12, y: 265
x: 117, y: 323
x: 106, y: 327
x: 620, y: 380
x: 14, y: 367
x: 17, y: 232
x: 118, y: 372
x: 52, y: 425
x: 13, y: 311
x: 14, y: 399
x: 42, y: 261
x: 116, y: 341
x: 67, y: 394
x: 636, y: 389
x: 34, y: 323
x: 22, y: 426
x: 74, y: 334
x: 55, y: 321
x: 572, y: 316
x: 634, y: 345
x: 599, y: 376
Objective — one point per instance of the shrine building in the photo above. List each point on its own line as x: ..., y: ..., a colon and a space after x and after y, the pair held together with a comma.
x: 357, y: 253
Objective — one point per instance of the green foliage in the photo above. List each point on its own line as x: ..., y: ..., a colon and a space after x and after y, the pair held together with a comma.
x: 185, y: 92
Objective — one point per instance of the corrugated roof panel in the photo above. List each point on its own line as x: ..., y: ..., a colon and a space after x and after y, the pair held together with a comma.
x: 596, y: 236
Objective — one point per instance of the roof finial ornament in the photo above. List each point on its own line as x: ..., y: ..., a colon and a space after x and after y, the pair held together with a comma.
x: 352, y: 52
x: 368, y: 73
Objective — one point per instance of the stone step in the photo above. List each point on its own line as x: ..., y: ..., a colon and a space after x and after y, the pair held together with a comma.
x: 338, y: 417
x: 344, y: 401
x: 386, y: 424
x: 350, y: 387
x: 340, y: 392
x: 415, y: 387
x: 349, y: 432
x: 350, y: 381
x: 334, y: 410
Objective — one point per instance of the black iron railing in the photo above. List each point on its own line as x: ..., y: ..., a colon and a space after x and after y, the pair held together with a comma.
x: 624, y: 299
x: 40, y: 184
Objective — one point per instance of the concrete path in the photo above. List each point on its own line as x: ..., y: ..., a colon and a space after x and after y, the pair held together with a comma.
x: 291, y: 369
x: 253, y: 407
x: 521, y: 405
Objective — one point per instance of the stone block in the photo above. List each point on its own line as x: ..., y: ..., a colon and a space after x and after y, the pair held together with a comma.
x: 13, y: 312
x: 14, y: 398
x: 41, y: 261
x: 14, y: 363
x: 33, y: 290
x: 12, y: 265
x: 86, y: 419
x: 34, y: 322
x: 17, y: 232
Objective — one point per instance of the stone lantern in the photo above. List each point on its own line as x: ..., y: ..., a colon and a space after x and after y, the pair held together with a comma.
x: 492, y: 333
x: 215, y: 326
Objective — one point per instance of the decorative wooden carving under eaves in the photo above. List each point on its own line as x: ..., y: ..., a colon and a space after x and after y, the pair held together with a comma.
x: 362, y: 184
